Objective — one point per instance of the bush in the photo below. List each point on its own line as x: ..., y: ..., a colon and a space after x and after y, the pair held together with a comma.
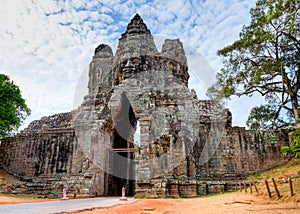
x: 294, y: 148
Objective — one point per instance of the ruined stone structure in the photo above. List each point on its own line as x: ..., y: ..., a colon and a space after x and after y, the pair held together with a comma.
x: 187, y: 147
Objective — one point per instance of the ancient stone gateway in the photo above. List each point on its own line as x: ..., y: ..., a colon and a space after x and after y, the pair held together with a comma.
x: 187, y: 147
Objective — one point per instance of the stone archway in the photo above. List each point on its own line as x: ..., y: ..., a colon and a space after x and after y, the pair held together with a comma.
x: 122, y: 160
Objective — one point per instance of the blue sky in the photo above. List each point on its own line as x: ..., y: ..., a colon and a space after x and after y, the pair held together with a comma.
x: 46, y: 46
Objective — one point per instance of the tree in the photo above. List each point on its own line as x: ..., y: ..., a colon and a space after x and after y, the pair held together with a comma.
x: 265, y: 60
x: 13, y: 109
x: 293, y: 150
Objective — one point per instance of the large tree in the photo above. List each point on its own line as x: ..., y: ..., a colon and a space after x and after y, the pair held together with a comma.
x: 265, y: 60
x: 13, y: 109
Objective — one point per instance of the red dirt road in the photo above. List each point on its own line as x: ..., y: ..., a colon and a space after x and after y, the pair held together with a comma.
x: 231, y: 203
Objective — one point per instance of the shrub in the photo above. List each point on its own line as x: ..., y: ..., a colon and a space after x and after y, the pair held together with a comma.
x: 294, y: 148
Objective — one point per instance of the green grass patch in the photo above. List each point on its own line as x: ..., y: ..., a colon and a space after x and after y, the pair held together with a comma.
x: 216, y: 194
x: 22, y: 196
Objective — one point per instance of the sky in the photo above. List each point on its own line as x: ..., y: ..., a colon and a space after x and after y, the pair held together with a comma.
x: 46, y: 46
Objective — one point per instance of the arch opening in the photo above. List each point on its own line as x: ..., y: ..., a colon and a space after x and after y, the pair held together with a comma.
x: 123, y: 150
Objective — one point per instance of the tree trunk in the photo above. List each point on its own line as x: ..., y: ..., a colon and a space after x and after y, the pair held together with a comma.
x: 295, y: 106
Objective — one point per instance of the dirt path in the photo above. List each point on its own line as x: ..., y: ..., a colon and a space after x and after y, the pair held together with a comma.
x: 221, y: 204
x: 229, y: 203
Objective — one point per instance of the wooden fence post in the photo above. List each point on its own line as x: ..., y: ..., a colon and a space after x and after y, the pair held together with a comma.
x: 276, y: 189
x: 245, y: 187
x: 291, y: 187
x: 268, y: 189
x: 250, y: 184
x: 240, y: 186
x: 254, y: 183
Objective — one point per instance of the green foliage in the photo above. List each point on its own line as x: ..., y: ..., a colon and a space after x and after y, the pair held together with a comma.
x: 294, y: 148
x: 265, y: 61
x: 13, y: 109
x: 260, y: 117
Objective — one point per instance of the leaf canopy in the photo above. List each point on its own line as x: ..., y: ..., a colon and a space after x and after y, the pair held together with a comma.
x: 13, y: 109
x: 265, y: 61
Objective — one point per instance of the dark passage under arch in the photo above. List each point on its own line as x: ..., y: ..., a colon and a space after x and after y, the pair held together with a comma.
x: 123, y: 155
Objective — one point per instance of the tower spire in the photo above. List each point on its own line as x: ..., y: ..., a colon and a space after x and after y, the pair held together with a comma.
x: 136, y: 27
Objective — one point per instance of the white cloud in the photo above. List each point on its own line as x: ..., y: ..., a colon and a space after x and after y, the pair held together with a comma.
x: 47, y: 45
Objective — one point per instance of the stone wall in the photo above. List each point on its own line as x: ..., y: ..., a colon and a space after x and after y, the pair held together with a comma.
x: 47, y: 155
x: 45, y: 147
x: 37, y: 154
x: 240, y: 153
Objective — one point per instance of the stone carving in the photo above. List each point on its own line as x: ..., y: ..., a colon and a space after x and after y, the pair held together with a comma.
x: 187, y: 147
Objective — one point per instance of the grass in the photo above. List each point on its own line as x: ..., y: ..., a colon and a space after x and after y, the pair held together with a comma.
x: 181, y: 199
x: 280, y: 175
x: 215, y: 194
x: 23, y: 196
x: 203, y: 196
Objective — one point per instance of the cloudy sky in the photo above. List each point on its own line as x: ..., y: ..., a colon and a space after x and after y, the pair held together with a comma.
x: 46, y: 46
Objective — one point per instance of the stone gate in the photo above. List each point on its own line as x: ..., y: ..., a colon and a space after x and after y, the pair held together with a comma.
x: 187, y: 147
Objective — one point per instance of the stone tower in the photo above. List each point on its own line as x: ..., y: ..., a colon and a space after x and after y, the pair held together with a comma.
x: 187, y: 147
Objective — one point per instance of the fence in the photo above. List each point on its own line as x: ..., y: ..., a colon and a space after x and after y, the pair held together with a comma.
x: 266, y: 186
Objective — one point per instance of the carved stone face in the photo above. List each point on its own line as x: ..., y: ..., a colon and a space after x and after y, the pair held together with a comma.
x: 103, y: 51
